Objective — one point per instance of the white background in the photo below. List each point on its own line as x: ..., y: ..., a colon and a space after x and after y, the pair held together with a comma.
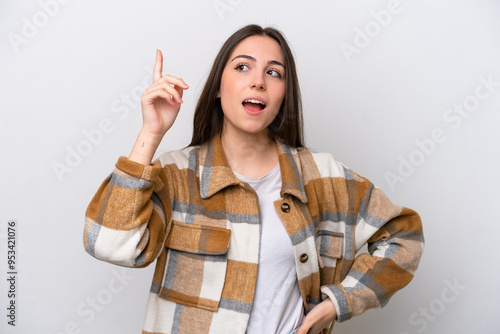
x: 75, y: 68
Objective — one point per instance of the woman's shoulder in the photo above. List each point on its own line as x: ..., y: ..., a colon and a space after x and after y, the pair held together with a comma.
x: 180, y: 157
x: 324, y: 163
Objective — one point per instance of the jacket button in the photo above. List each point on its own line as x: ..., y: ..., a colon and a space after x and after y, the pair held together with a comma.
x: 304, y: 257
x: 285, y: 207
x: 308, y: 299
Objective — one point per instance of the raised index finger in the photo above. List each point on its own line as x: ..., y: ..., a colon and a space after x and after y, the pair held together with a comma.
x: 158, y: 66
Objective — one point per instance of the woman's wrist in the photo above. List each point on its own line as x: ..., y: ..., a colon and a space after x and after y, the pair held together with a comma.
x: 145, y: 148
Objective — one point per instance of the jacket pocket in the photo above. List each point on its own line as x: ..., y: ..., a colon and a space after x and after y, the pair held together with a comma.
x: 329, y: 246
x: 195, y: 267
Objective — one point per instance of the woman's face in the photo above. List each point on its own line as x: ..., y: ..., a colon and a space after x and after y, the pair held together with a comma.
x: 252, y: 85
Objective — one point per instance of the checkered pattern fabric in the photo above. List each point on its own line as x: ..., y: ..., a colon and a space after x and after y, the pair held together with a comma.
x: 201, y: 224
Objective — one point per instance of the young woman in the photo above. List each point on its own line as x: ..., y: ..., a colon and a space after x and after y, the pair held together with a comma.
x: 251, y: 231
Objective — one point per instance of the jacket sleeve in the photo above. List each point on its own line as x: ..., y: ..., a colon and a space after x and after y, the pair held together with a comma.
x: 395, y: 241
x: 126, y: 221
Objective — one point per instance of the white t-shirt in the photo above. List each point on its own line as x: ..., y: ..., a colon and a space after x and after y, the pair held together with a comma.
x: 277, y: 306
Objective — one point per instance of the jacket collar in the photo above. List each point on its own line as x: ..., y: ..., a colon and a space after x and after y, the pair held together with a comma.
x: 215, y: 173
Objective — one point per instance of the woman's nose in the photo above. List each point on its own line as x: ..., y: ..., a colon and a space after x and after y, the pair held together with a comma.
x: 258, y: 82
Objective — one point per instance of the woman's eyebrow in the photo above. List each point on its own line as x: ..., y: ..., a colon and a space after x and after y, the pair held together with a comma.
x: 275, y: 62
x: 271, y: 62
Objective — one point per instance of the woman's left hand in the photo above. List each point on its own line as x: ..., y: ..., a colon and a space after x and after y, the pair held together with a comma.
x: 318, y: 318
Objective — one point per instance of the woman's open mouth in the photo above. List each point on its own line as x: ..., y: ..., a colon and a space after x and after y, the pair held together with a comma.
x: 254, y: 106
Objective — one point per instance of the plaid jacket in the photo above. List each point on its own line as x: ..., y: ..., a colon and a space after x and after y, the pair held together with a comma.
x: 189, y: 212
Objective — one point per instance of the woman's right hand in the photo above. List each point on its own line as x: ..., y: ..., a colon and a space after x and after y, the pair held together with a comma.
x: 161, y: 101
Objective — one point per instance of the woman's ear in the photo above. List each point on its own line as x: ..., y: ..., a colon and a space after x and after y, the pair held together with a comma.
x: 218, y: 94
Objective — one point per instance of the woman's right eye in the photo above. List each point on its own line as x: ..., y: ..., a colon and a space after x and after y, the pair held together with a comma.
x: 242, y: 67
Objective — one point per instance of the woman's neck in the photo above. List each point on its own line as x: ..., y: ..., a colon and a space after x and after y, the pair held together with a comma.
x: 251, y: 155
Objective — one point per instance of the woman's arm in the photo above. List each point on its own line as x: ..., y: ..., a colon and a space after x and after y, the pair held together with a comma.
x: 126, y: 222
x: 394, y: 236
x: 127, y: 219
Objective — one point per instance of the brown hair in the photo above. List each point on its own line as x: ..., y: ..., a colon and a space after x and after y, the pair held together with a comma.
x: 208, y: 116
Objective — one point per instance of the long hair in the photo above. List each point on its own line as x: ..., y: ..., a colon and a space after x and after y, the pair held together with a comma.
x: 208, y: 116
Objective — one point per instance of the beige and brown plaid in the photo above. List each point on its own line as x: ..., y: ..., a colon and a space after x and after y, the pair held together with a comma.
x: 201, y: 224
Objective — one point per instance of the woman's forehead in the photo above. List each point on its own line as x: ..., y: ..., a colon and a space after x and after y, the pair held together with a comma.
x: 261, y: 48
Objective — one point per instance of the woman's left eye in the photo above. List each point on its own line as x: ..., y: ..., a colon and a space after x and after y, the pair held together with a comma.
x: 274, y: 73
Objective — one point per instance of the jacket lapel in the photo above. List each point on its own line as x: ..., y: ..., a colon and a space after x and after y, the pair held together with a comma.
x: 291, y: 172
x: 215, y: 173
